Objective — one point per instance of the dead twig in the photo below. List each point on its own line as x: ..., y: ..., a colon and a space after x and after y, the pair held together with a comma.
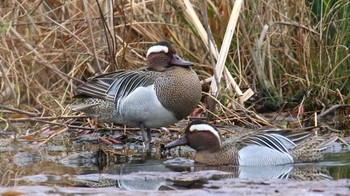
x: 19, y: 111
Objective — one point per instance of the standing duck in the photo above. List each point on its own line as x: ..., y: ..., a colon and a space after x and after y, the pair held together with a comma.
x: 275, y: 147
x: 161, y: 94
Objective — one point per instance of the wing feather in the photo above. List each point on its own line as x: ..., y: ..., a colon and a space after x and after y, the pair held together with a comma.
x: 112, y: 86
x: 272, y: 141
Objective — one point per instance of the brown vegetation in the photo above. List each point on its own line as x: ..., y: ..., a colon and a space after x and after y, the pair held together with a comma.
x: 290, y: 53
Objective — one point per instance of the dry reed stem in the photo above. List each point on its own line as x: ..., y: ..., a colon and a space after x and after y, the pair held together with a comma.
x: 220, y: 65
x: 193, y: 18
x: 220, y: 57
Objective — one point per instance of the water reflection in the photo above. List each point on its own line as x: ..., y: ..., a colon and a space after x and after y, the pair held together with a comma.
x: 152, y: 173
x: 158, y: 176
x: 148, y: 183
x: 290, y: 171
x: 148, y: 174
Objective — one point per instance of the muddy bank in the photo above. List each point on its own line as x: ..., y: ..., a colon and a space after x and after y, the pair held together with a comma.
x: 217, y: 187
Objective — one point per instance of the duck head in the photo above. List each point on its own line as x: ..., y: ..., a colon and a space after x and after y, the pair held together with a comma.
x: 200, y: 136
x: 162, y: 55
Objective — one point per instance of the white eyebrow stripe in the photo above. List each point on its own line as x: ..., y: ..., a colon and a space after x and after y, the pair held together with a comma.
x: 206, y: 127
x: 157, y: 48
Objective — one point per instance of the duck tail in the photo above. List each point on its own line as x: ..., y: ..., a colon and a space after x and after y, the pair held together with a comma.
x: 314, y: 148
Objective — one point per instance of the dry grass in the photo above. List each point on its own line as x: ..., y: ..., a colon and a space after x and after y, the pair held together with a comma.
x: 280, y: 49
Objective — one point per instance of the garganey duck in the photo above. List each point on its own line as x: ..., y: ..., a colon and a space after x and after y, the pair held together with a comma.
x: 274, y: 147
x: 159, y: 95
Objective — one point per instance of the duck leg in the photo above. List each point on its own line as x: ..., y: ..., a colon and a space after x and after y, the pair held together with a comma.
x: 147, y: 138
x: 149, y: 134
x: 144, y: 134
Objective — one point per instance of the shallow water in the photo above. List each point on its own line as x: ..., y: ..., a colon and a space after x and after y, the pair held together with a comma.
x: 54, y: 168
x: 149, y: 172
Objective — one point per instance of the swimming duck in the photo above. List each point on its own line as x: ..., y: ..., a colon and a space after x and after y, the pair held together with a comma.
x: 275, y: 147
x: 159, y: 95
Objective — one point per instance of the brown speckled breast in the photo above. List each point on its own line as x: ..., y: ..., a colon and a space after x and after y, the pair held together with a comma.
x: 228, y: 155
x: 179, y: 90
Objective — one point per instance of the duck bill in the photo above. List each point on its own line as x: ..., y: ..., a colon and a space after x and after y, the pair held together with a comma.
x: 179, y: 142
x: 177, y: 60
